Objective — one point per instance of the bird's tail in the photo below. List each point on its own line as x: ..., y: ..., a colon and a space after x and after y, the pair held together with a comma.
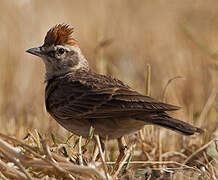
x: 175, y: 125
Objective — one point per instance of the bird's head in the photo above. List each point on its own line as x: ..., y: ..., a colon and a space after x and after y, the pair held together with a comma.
x: 60, y: 52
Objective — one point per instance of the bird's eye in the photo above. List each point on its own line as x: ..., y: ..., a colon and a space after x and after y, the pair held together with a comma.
x: 61, y: 51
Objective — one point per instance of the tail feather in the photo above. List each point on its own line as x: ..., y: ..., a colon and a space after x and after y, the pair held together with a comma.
x: 177, y: 125
x: 164, y: 120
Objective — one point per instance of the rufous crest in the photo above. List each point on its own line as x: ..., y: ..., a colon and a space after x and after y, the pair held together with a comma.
x: 60, y: 34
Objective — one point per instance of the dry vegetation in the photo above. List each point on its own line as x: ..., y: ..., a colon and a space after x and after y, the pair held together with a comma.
x: 177, y: 39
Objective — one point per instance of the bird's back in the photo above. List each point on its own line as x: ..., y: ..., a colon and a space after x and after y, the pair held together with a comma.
x: 87, y: 87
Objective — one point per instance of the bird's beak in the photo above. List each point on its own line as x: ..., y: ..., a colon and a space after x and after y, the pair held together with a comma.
x: 35, y: 51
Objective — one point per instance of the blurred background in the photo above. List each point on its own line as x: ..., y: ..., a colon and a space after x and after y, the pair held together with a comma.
x: 119, y: 38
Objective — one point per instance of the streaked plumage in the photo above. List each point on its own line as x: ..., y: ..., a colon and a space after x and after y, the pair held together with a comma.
x: 78, y: 98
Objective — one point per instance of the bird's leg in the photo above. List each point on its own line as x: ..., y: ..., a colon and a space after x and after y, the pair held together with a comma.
x: 122, y: 148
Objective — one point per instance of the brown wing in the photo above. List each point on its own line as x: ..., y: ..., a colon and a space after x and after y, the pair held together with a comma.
x: 96, y: 96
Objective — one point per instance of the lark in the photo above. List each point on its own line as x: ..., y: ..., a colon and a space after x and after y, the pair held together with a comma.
x: 78, y: 98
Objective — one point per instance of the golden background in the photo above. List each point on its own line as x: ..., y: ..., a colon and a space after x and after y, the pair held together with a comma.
x: 177, y: 38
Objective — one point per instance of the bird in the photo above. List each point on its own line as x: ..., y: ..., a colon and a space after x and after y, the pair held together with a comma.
x: 79, y: 98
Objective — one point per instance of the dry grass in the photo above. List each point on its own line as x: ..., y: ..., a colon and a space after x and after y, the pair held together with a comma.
x: 177, y: 39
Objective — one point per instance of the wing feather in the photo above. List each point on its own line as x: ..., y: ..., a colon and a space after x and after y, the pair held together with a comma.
x: 97, y: 97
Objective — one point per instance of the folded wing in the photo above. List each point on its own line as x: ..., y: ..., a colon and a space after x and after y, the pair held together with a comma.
x: 79, y: 100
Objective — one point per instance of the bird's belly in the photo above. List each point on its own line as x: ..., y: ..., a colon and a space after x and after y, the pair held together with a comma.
x: 76, y: 126
x: 110, y: 129
x: 113, y: 129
